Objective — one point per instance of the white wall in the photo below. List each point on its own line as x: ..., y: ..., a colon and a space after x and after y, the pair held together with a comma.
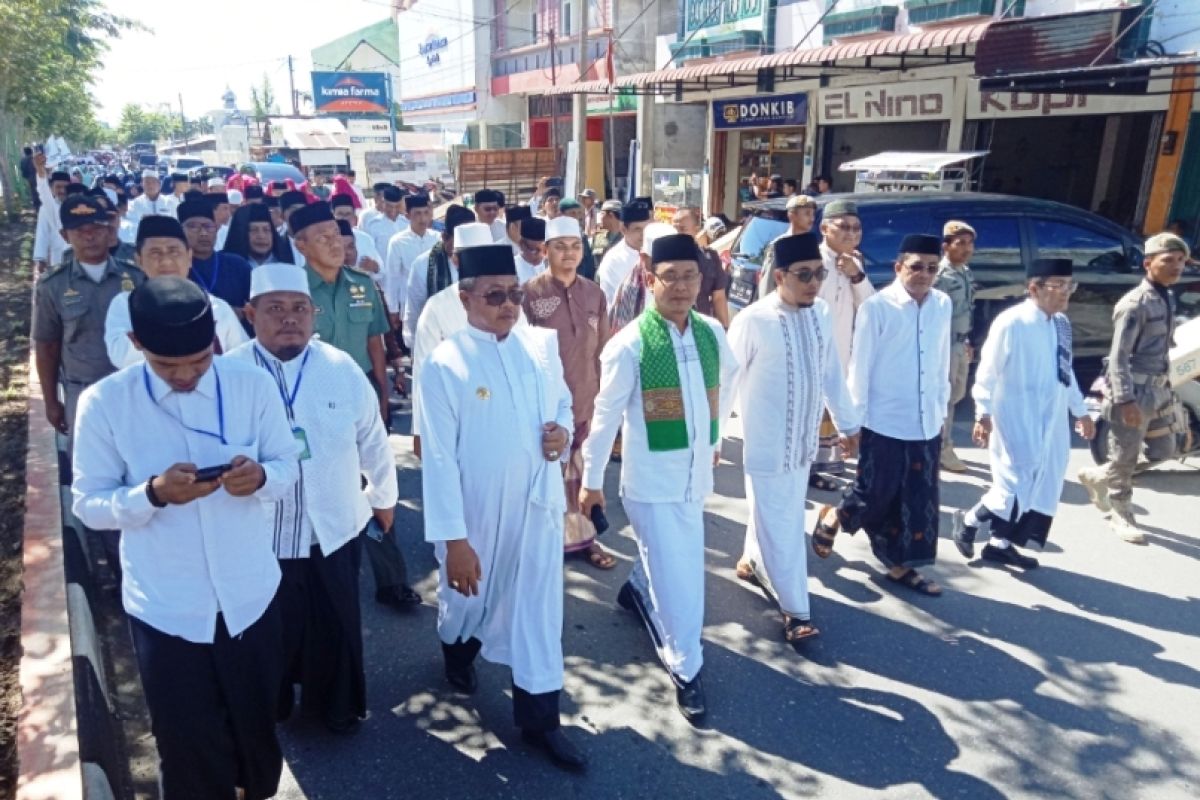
x: 794, y: 21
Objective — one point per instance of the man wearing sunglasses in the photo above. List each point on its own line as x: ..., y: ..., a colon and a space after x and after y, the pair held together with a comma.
x: 900, y: 382
x: 1024, y: 388
x: 668, y: 378
x: 845, y: 290
x: 495, y: 429
x: 789, y: 373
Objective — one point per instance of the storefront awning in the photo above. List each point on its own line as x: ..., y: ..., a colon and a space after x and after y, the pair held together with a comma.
x: 1127, y: 78
x: 910, y: 161
x: 935, y: 46
x: 309, y: 134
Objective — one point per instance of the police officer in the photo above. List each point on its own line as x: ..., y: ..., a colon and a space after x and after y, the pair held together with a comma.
x: 349, y: 315
x: 954, y: 278
x: 70, y: 304
x: 1141, y: 408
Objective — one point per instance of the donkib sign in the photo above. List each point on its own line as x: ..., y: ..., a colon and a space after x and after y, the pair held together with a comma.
x: 767, y: 111
x: 350, y: 92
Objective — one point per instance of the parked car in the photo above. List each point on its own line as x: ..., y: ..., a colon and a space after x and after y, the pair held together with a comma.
x: 1012, y: 231
x: 267, y: 171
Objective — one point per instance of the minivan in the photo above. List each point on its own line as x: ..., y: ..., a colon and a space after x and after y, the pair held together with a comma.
x: 1011, y: 232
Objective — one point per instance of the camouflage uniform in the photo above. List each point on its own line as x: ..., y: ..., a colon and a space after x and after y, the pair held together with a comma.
x: 1143, y: 330
x: 960, y: 286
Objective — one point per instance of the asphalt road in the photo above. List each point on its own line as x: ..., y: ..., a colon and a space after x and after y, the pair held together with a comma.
x: 1080, y: 679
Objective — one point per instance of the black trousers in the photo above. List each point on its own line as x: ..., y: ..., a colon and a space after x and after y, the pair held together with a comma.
x: 1023, y: 527
x: 322, y: 634
x: 212, y: 708
x: 387, y: 562
x: 531, y: 712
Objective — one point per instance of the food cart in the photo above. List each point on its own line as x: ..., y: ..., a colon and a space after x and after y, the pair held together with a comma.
x: 898, y: 171
x: 673, y: 189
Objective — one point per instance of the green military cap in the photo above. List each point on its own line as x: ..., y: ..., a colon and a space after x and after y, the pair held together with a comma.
x: 1162, y: 242
x: 840, y: 208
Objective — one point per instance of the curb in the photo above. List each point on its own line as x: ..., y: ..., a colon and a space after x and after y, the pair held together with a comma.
x: 47, y: 733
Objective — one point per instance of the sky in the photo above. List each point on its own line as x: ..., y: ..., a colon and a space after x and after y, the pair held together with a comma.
x: 197, y: 49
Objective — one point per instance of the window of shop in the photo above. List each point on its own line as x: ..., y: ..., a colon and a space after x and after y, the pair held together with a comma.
x: 772, y: 152
x: 504, y: 136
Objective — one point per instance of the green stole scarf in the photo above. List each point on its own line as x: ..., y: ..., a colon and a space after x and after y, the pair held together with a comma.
x: 662, y: 394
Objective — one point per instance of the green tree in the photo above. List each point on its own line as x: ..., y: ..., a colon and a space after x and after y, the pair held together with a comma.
x: 50, y: 52
x: 262, y: 101
x: 142, y: 124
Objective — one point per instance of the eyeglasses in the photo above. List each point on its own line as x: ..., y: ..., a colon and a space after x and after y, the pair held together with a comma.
x: 496, y: 297
x: 918, y: 268
x: 846, y: 227
x: 671, y: 278
x: 807, y: 275
x: 1068, y: 287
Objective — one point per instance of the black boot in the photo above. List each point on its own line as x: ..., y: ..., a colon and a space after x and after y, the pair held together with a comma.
x: 460, y: 666
x: 562, y: 751
x: 1008, y: 555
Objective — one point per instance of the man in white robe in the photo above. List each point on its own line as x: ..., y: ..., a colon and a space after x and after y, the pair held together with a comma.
x: 845, y: 290
x: 495, y: 432
x: 531, y: 250
x: 620, y: 259
x: 162, y: 249
x: 789, y: 372
x: 433, y: 270
x: 150, y: 202
x: 390, y: 221
x: 1024, y: 388
x: 488, y: 205
x: 666, y: 381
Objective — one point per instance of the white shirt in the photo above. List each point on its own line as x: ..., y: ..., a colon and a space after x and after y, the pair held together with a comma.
x: 367, y: 215
x: 415, y: 297
x: 900, y: 363
x: 143, y: 206
x: 382, y: 229
x: 48, y: 242
x: 338, y: 410
x: 673, y: 476
x: 128, y: 232
x: 184, y: 564
x: 366, y: 249
x: 118, y: 325
x: 789, y: 372
x: 222, y: 233
x: 844, y: 299
x: 1017, y: 384
x: 499, y: 230
x: 403, y: 249
x: 619, y: 260
x: 527, y: 272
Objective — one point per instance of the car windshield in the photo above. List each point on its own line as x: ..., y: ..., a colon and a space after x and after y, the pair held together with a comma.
x: 278, y: 172
x: 758, y: 233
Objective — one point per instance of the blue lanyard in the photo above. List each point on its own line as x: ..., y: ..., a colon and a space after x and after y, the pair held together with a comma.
x: 210, y: 286
x: 220, y: 434
x: 288, y: 399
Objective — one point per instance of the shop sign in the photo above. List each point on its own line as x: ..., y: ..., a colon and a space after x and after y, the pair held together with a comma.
x: 911, y: 101
x: 767, y: 111
x: 719, y: 16
x: 1012, y: 105
x: 599, y: 104
x: 350, y: 92
x: 439, y: 101
x: 431, y: 49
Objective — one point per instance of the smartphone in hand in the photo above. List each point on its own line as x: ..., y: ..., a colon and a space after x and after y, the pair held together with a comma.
x: 212, y: 473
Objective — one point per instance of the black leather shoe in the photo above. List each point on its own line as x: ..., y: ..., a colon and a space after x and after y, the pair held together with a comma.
x: 401, y: 598
x: 963, y: 535
x: 463, y: 678
x: 1008, y: 555
x: 690, y: 699
x: 626, y: 598
x: 562, y: 751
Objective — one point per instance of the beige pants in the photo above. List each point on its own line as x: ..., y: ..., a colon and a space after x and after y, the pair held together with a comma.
x: 960, y: 368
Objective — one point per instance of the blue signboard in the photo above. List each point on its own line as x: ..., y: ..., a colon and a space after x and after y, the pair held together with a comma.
x: 350, y: 92
x: 765, y: 111
x: 439, y: 101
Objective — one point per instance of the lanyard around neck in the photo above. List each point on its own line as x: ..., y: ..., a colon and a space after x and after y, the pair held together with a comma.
x: 289, y: 398
x: 220, y: 433
x: 210, y: 286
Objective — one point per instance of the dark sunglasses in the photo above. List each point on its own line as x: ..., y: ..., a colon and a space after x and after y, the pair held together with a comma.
x: 807, y: 275
x: 919, y: 268
x: 496, y: 297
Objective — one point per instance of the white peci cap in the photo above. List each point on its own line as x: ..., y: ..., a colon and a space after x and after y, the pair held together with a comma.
x: 235, y: 197
x: 560, y: 227
x: 278, y: 278
x: 472, y: 234
x: 655, y: 230
x: 149, y: 173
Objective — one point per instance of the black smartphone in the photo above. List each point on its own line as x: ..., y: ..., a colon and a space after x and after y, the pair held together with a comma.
x: 599, y: 520
x: 212, y: 473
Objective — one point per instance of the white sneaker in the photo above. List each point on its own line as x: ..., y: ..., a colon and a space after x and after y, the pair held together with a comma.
x: 1127, y: 530
x: 1097, y: 490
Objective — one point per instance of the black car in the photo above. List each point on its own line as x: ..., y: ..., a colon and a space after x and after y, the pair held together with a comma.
x: 1011, y: 232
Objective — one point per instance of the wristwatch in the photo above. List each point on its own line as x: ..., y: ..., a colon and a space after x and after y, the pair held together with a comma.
x: 152, y: 496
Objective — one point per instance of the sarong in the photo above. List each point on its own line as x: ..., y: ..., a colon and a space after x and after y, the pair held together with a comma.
x: 894, y: 498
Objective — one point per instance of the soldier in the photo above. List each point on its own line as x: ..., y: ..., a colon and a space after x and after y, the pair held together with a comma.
x: 954, y: 278
x: 1140, y: 408
x: 70, y: 304
x: 608, y: 229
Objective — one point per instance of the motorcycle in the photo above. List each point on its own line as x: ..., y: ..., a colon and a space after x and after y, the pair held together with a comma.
x: 1185, y: 366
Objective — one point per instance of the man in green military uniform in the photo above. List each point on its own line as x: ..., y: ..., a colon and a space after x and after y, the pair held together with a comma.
x: 1141, y: 409
x: 350, y: 315
x: 70, y: 306
x: 609, y: 231
x: 954, y: 278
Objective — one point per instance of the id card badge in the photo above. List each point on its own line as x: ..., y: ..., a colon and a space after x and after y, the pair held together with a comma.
x: 302, y: 438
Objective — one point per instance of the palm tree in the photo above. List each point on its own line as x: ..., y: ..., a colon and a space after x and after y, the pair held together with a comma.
x: 263, y: 101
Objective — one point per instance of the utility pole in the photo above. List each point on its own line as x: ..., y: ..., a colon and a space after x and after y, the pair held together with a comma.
x: 553, y: 98
x: 580, y: 102
x: 183, y: 123
x: 292, y: 87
